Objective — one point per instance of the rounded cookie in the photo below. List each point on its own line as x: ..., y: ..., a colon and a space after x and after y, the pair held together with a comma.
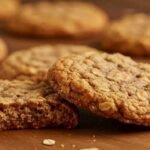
x: 35, y: 62
x: 129, y: 35
x: 8, y: 8
x: 113, y: 86
x: 26, y: 104
x: 48, y: 19
x: 3, y: 50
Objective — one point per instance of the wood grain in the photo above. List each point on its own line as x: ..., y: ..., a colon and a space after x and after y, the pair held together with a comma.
x: 109, y: 134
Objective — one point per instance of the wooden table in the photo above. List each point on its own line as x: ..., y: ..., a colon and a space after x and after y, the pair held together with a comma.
x: 109, y: 134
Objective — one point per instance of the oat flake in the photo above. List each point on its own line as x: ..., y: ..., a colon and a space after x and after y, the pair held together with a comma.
x: 49, y: 142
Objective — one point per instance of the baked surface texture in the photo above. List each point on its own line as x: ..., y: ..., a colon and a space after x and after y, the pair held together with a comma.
x: 25, y: 104
x: 129, y: 35
x: 45, y: 19
x: 35, y: 62
x: 3, y: 50
x: 8, y: 9
x: 113, y: 86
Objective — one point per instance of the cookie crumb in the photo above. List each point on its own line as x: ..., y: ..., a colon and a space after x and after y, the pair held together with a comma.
x: 94, y: 140
x: 49, y: 142
x: 73, y: 145
x: 62, y: 145
x: 93, y: 136
x: 94, y: 148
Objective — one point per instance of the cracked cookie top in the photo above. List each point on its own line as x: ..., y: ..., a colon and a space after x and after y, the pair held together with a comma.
x: 58, y: 19
x: 113, y: 86
x: 24, y: 91
x: 36, y: 61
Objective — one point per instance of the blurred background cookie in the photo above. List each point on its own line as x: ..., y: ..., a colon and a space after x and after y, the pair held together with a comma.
x: 8, y: 8
x: 58, y: 19
x: 129, y: 35
x: 34, y: 62
x: 3, y: 50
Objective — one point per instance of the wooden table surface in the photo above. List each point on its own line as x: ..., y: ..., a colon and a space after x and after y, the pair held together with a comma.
x: 109, y: 134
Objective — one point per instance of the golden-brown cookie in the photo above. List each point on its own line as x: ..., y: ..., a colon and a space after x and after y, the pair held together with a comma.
x: 8, y: 8
x: 25, y: 104
x: 48, y: 19
x: 113, y: 86
x: 3, y: 50
x: 129, y: 35
x: 36, y: 61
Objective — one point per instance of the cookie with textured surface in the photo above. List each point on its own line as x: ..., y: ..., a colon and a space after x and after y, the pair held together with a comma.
x: 26, y: 104
x: 129, y: 35
x: 59, y: 19
x: 34, y: 62
x: 113, y: 86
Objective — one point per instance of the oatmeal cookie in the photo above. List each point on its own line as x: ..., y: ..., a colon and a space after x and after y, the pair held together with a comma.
x: 3, y: 50
x: 26, y: 104
x: 129, y: 35
x: 36, y: 61
x: 8, y: 8
x: 113, y: 86
x: 48, y: 19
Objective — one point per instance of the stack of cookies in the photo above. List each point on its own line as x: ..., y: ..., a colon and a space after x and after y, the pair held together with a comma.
x: 44, y: 86
x: 47, y: 82
x: 27, y: 100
